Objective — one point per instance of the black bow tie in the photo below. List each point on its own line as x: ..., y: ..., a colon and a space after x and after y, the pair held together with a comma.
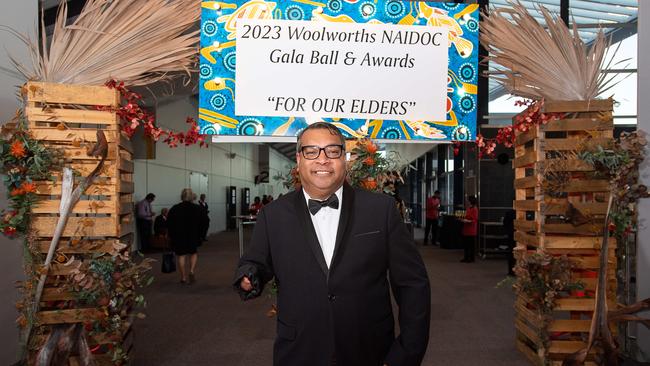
x: 315, y: 206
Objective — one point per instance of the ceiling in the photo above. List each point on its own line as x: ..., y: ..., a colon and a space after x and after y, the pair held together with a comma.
x: 617, y: 18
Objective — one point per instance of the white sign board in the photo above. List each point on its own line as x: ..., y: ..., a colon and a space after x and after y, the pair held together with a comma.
x: 341, y: 70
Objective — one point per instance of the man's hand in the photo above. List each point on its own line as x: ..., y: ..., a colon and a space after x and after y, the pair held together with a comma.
x: 245, y: 284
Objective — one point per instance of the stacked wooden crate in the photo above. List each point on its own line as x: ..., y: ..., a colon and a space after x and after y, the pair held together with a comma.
x: 542, y: 221
x: 65, y: 117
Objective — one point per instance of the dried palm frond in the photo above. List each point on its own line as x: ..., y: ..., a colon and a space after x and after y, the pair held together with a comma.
x: 549, y: 62
x: 135, y: 41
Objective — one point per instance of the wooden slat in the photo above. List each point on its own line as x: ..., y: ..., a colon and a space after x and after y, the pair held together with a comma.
x: 68, y: 316
x: 567, y: 347
x: 586, y: 229
x: 575, y: 242
x: 54, y: 189
x: 80, y: 153
x: 528, y: 182
x: 58, y: 115
x: 85, y: 167
x: 527, y: 331
x: 524, y: 225
x: 576, y: 143
x: 126, y: 208
x: 578, y: 124
x: 527, y: 239
x: 71, y: 135
x: 527, y: 159
x: 126, y: 187
x: 78, y: 246
x: 575, y: 304
x: 528, y: 314
x: 71, y: 94
x: 529, y: 353
x: 566, y: 166
x: 578, y: 106
x: 560, y: 325
x: 527, y: 205
x: 525, y: 137
x: 83, y: 206
x: 592, y: 208
x: 127, y: 228
x: 588, y: 262
x: 125, y: 143
x: 56, y: 294
x: 596, y: 185
x: 125, y: 165
x: 103, y: 226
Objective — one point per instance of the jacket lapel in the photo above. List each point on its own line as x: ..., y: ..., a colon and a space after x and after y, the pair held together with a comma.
x: 346, y: 216
x: 309, y: 232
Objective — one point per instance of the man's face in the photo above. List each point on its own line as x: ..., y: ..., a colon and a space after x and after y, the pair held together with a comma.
x: 323, y: 176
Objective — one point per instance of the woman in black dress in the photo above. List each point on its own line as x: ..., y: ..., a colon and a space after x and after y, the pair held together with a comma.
x: 183, y: 221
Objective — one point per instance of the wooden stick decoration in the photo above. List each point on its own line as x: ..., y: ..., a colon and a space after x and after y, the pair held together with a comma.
x: 68, y: 200
x: 64, y: 341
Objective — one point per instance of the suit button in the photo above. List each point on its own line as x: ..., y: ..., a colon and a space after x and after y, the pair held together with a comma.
x: 331, y: 297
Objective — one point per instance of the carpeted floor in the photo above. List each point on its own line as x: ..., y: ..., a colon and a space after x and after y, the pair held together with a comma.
x: 207, y: 324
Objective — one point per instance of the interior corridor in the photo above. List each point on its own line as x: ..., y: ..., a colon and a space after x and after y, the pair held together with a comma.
x: 206, y: 323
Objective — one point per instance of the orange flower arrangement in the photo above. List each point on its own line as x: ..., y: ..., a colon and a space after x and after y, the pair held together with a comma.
x: 28, y: 187
x: 369, y: 161
x: 370, y: 147
x: 369, y: 169
x: 369, y: 184
x: 16, y: 192
x: 17, y: 149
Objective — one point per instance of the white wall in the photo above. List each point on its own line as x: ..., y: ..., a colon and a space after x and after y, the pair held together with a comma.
x: 21, y: 16
x: 643, y: 236
x: 169, y: 173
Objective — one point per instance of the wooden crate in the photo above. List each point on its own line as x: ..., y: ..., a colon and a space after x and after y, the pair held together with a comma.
x: 538, y: 225
x: 65, y: 117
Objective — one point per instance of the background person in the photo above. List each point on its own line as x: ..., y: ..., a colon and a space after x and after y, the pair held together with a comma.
x: 470, y: 229
x: 433, y: 212
x: 144, y: 220
x: 184, y: 219
x: 205, y: 217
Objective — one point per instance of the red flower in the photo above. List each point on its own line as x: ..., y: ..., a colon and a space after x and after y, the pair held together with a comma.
x: 611, y: 227
x: 16, y: 192
x: 369, y: 161
x: 9, y: 231
x: 17, y: 149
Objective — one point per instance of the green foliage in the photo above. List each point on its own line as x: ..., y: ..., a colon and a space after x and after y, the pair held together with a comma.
x: 620, y: 165
x: 23, y: 160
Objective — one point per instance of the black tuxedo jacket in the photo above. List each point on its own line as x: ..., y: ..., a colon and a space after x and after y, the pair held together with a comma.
x: 343, y: 312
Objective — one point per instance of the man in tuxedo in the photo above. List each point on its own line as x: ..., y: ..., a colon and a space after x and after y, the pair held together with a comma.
x: 333, y: 251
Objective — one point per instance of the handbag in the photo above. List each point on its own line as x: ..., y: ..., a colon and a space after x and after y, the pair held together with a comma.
x: 168, y: 263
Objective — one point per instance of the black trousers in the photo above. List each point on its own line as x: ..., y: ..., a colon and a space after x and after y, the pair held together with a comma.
x: 144, y: 233
x: 469, y: 244
x: 431, y: 226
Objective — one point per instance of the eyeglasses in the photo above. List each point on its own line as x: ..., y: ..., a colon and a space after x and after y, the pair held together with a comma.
x: 313, y: 152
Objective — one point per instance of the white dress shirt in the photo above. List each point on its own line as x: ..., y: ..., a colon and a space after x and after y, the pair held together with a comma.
x: 326, y: 224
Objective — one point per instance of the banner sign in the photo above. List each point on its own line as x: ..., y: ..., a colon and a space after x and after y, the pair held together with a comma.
x: 395, y: 70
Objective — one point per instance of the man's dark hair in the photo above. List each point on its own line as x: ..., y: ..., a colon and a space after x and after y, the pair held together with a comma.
x: 150, y: 197
x: 436, y: 192
x: 321, y: 126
